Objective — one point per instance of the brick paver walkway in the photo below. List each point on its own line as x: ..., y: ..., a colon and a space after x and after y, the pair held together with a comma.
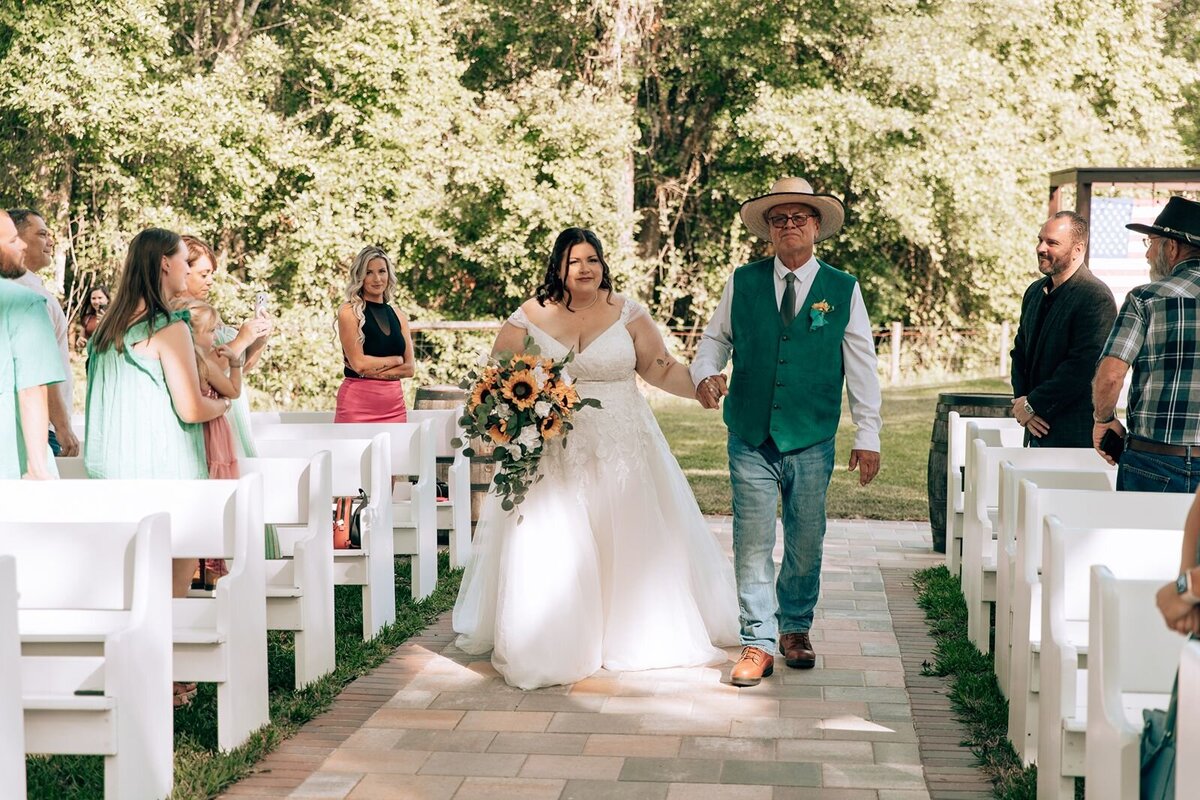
x: 434, y: 722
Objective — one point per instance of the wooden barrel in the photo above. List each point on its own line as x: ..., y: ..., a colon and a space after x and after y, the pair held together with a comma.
x: 976, y: 404
x: 481, y: 462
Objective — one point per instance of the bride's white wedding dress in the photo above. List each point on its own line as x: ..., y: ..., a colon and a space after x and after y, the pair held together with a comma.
x: 612, y: 564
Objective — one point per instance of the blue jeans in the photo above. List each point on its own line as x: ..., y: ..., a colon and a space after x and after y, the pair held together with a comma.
x: 759, y: 476
x: 1149, y: 472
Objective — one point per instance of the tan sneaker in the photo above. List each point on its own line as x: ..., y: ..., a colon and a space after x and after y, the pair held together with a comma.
x: 797, y: 650
x: 752, y: 667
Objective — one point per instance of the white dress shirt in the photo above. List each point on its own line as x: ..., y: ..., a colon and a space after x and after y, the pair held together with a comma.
x: 858, y: 350
x: 58, y: 319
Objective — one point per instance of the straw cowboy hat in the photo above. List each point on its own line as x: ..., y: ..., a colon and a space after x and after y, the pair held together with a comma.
x: 793, y: 190
x: 1179, y: 220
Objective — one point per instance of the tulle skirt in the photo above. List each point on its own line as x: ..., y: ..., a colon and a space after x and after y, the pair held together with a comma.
x: 608, y: 562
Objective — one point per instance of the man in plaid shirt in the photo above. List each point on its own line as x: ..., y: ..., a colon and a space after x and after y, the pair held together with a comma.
x: 1157, y: 332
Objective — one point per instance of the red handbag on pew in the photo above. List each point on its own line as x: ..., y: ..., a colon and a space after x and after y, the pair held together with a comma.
x: 347, y: 525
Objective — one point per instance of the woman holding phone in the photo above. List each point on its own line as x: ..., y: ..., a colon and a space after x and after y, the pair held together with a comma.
x: 246, y: 342
x: 376, y: 341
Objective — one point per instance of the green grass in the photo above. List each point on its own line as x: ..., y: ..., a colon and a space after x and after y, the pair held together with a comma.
x: 697, y: 438
x: 201, y: 771
x: 972, y: 683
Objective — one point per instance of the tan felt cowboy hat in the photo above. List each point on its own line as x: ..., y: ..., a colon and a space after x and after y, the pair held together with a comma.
x: 793, y: 190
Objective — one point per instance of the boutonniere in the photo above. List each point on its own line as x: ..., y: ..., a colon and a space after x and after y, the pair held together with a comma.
x: 817, y: 314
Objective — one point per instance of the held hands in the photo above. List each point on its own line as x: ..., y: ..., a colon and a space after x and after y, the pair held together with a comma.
x: 1036, y: 426
x: 1178, y: 613
x: 867, y: 462
x: 710, y: 391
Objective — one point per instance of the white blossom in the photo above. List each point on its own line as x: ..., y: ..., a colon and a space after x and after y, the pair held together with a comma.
x: 530, y: 438
x: 542, y: 409
x: 482, y: 361
x: 565, y: 377
x: 540, y: 376
x: 503, y: 410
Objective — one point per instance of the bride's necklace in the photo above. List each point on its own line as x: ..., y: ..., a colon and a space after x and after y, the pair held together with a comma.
x: 595, y: 300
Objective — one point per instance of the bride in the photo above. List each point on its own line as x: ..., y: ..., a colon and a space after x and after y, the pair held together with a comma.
x: 609, y: 562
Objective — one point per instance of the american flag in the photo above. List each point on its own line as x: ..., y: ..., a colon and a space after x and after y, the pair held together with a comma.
x: 1116, y: 254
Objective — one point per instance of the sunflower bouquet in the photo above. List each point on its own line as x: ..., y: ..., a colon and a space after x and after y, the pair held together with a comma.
x: 520, y: 402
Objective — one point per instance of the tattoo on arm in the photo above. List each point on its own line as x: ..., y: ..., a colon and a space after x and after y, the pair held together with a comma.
x: 664, y: 360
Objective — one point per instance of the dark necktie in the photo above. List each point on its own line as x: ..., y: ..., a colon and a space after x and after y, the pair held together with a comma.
x: 787, y: 306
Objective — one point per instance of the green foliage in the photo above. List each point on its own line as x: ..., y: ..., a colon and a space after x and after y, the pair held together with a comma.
x: 463, y: 135
x: 972, y: 681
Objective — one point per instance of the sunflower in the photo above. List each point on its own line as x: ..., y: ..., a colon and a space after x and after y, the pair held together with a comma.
x: 498, y: 434
x: 550, y: 426
x: 521, y: 389
x: 483, y: 390
x: 565, y: 394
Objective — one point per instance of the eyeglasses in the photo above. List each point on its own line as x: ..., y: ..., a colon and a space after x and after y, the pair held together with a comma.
x: 1149, y: 240
x: 799, y: 220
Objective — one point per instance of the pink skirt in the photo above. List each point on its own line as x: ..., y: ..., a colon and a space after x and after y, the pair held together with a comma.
x: 366, y: 400
x: 220, y: 449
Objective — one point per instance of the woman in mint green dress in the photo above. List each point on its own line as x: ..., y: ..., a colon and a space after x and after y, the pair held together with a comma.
x: 246, y: 341
x: 144, y: 406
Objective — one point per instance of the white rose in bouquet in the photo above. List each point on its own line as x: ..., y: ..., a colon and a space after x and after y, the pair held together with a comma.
x: 529, y: 438
x: 542, y: 409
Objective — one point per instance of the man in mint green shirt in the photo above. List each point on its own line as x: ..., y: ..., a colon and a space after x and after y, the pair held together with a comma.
x: 29, y: 361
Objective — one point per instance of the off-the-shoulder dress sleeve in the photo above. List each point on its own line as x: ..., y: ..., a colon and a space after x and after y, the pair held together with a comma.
x: 518, y: 319
x: 633, y: 311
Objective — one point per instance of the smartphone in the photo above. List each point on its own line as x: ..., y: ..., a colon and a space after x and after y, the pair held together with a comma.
x: 1112, y: 444
x: 260, y: 304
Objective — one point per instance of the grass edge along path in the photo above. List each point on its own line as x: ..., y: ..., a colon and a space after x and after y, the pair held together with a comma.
x: 203, y: 772
x: 971, y: 683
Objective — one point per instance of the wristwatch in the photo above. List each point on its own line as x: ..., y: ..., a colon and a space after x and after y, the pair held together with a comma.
x: 1029, y: 409
x: 1183, y: 587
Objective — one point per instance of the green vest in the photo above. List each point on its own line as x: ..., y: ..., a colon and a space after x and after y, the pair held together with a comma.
x: 787, y: 382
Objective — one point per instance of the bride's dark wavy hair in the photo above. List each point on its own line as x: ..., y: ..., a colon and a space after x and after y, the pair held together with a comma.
x: 554, y: 287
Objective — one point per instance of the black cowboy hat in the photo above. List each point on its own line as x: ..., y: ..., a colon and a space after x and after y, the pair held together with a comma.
x: 1179, y: 220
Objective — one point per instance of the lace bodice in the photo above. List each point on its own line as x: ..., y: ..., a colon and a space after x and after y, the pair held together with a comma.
x: 608, y: 357
x: 603, y: 439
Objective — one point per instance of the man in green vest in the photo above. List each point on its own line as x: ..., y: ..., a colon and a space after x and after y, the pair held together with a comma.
x: 796, y: 329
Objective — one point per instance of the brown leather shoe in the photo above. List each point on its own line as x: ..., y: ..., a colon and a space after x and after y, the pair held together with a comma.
x: 752, y: 667
x: 797, y: 650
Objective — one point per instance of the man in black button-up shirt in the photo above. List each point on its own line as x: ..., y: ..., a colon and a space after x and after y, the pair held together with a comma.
x: 1065, y: 318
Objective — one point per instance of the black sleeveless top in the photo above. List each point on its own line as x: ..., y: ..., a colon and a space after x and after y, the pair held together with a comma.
x: 383, y: 337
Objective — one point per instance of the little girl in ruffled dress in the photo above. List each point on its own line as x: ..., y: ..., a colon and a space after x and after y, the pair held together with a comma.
x: 220, y: 377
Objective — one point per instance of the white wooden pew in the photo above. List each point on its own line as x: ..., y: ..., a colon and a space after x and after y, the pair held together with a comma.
x: 1068, y: 553
x: 12, y: 726
x: 999, y: 431
x: 298, y: 495
x: 414, y: 497
x: 355, y: 464
x: 1010, y: 516
x: 1187, y: 770
x: 453, y: 515
x: 95, y: 626
x: 219, y: 638
x: 1132, y: 661
x: 981, y: 510
x: 1151, y: 510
